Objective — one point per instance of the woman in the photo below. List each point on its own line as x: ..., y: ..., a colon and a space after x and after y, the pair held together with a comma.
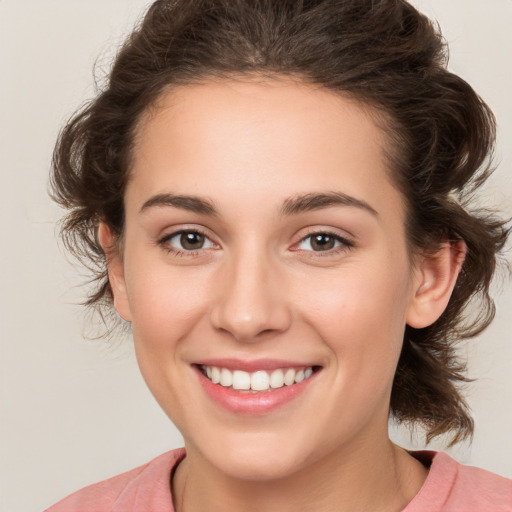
x: 276, y: 196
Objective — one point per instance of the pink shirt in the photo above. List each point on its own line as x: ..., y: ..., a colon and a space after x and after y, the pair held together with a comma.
x: 449, y: 487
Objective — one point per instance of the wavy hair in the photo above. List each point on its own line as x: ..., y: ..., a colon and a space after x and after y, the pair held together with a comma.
x: 383, y: 53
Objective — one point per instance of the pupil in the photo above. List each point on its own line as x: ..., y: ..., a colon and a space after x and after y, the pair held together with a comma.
x: 322, y: 242
x: 191, y: 241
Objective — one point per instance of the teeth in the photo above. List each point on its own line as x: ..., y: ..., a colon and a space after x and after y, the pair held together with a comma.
x: 215, y: 375
x: 260, y: 380
x: 277, y: 379
x: 289, y: 377
x: 241, y: 380
x: 299, y: 376
x: 226, y: 378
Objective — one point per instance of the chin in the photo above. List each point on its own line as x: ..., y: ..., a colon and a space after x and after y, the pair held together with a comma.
x: 257, y: 457
x: 260, y: 468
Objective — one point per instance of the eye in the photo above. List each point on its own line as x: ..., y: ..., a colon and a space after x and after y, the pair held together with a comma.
x: 187, y: 241
x: 322, y: 242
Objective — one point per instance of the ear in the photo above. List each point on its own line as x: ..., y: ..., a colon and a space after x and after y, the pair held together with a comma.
x: 435, y: 278
x: 115, y: 268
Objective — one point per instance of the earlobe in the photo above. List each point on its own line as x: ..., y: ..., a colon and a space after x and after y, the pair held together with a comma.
x: 435, y: 278
x: 115, y: 268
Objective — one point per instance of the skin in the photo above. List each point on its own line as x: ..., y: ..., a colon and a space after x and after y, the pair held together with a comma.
x: 258, y: 288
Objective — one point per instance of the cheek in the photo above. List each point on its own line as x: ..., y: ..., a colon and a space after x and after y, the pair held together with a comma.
x: 167, y: 306
x: 360, y: 314
x: 165, y: 303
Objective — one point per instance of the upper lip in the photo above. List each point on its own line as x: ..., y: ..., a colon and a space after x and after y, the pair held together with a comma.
x: 253, y: 365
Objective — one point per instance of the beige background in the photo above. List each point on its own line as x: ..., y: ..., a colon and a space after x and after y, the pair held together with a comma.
x: 72, y: 411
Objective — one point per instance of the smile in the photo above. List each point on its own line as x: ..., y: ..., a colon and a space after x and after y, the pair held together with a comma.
x: 255, y: 387
x: 257, y: 381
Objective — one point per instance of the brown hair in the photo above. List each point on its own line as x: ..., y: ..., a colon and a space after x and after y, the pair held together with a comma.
x: 383, y: 53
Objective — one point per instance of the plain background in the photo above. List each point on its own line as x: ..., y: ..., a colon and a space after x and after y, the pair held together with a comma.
x: 72, y: 411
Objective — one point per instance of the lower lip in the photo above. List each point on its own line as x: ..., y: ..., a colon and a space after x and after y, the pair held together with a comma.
x: 252, y: 403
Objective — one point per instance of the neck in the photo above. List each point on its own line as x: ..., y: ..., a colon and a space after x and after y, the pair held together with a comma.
x: 384, y: 479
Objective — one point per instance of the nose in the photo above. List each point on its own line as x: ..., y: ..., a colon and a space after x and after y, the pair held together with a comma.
x: 251, y: 299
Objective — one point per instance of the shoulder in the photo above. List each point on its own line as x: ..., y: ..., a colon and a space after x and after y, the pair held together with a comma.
x: 144, y: 487
x: 454, y: 487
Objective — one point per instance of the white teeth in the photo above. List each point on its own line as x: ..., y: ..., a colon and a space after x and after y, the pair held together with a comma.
x: 226, y: 378
x: 299, y: 376
x: 260, y: 380
x: 215, y: 375
x: 289, y: 377
x: 241, y: 380
x: 277, y: 379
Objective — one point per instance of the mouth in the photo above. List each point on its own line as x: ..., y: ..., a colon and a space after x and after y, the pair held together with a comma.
x: 257, y: 381
x: 254, y: 388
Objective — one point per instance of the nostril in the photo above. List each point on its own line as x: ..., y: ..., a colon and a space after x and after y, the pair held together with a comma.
x: 266, y: 332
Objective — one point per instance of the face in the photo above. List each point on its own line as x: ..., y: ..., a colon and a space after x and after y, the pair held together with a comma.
x: 265, y: 247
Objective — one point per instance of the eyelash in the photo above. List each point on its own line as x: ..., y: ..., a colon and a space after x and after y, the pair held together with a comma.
x: 344, y: 243
x: 163, y: 242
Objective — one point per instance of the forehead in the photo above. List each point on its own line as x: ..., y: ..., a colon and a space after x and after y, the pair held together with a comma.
x: 259, y: 139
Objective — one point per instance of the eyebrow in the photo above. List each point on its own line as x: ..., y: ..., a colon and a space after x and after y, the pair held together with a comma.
x: 319, y: 201
x: 292, y: 206
x: 184, y: 202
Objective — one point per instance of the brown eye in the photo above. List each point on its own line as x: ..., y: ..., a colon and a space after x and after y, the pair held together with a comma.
x: 322, y: 242
x: 191, y: 241
x: 186, y: 241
